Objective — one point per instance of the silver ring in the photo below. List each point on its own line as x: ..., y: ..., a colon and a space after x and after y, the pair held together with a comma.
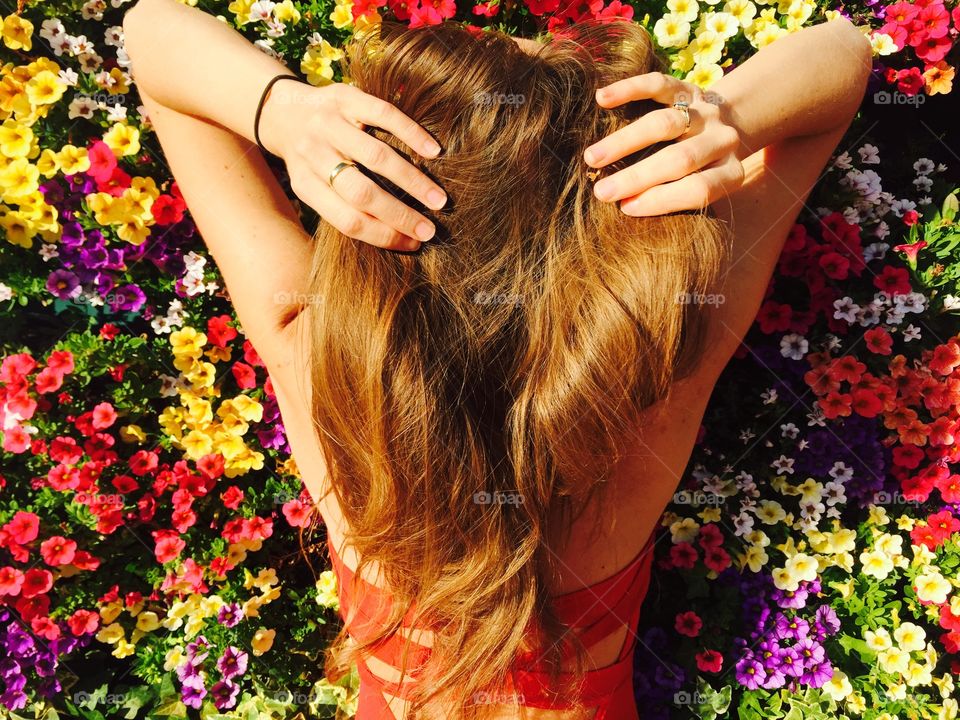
x: 685, y: 109
x: 340, y: 167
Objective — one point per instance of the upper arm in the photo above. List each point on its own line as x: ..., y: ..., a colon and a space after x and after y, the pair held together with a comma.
x: 777, y: 181
x: 249, y: 225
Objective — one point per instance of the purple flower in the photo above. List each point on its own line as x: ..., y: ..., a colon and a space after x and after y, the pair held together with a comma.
x: 63, y: 284
x: 790, y: 662
x: 193, y: 692
x: 811, y: 651
x: 826, y: 618
x: 790, y: 628
x: 229, y: 615
x: 127, y: 297
x: 750, y: 673
x: 224, y: 694
x: 232, y: 663
x: 819, y: 674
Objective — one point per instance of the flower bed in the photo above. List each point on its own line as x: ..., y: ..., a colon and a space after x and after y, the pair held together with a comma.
x: 153, y: 529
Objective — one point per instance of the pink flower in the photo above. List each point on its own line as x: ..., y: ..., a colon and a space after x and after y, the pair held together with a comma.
x: 910, y: 80
x: 11, y: 580
x: 935, y: 20
x: 169, y: 545
x: 933, y: 50
x: 58, y: 550
x: 104, y: 416
x: 901, y: 13
x: 297, y: 513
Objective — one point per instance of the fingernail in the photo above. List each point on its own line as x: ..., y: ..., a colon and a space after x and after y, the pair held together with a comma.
x: 601, y: 94
x: 603, y: 189
x: 430, y: 147
x: 594, y: 155
x: 436, y: 198
x: 424, y: 230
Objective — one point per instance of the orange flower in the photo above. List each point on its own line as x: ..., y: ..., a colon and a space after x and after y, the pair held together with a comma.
x: 938, y: 78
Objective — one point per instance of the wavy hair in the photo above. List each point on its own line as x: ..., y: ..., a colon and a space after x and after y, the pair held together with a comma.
x: 512, y: 354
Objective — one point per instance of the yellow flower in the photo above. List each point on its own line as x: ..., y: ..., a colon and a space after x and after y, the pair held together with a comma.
x: 73, y: 159
x: 683, y: 60
x: 241, y: 8
x: 686, y: 9
x: 672, y: 31
x: 342, y: 15
x: 48, y: 163
x: 132, y: 434
x: 148, y: 621
x: 705, y: 75
x: 784, y: 579
x: 876, y: 563
x: 838, y: 687
x: 803, y: 566
x: 917, y: 674
x: 17, y: 33
x: 878, y: 515
x: 262, y: 640
x: 19, y: 178
x: 110, y: 633
x: 18, y: 228
x: 327, y: 590
x: 932, y: 587
x: 743, y: 10
x: 123, y: 139
x: 684, y: 530
x: 726, y: 26
x: 317, y: 63
x: 938, y: 78
x: 767, y: 35
x: 893, y: 660
x: 45, y: 88
x: 187, y: 341
x: 16, y: 139
x: 197, y: 444
x: 707, y: 47
x: 173, y: 657
x: 891, y: 545
x: 948, y: 710
x: 910, y: 637
x: 286, y: 12
x: 133, y: 230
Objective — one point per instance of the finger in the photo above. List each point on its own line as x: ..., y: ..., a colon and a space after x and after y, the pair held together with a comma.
x: 655, y: 126
x: 384, y: 160
x: 692, y: 192
x: 671, y: 163
x: 345, y: 218
x: 365, y: 195
x: 654, y: 86
x: 379, y: 113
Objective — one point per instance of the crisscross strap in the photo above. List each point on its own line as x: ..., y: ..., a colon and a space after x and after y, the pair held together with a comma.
x: 596, y: 611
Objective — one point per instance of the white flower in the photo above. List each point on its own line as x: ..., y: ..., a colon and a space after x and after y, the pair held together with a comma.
x: 869, y: 154
x: 93, y: 10
x: 789, y: 430
x: 925, y: 200
x: 899, y: 207
x: 882, y: 230
x: 6, y: 292
x: 923, y: 166
x: 116, y: 113
x: 769, y: 396
x: 783, y: 464
x: 922, y: 183
x: 69, y: 77
x: 911, y: 332
x: 875, y: 251
x: 79, y: 44
x: 843, y: 161
x: 52, y: 30
x: 113, y: 36
x: 81, y: 106
x: 869, y: 315
x: 48, y: 251
x: 846, y: 309
x: 261, y: 10
x: 951, y: 303
x: 794, y: 346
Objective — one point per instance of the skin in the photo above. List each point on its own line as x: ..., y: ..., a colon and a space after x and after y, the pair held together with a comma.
x: 780, y: 130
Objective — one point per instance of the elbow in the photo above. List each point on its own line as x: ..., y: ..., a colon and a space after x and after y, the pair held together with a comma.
x: 861, y: 50
x: 133, y: 20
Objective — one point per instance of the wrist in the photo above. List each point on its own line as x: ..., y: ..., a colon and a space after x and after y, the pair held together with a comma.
x: 273, y: 124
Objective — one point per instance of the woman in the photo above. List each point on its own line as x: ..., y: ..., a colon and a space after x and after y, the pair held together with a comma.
x: 492, y: 421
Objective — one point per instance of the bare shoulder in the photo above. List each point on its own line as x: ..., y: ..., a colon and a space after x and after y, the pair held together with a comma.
x: 778, y: 180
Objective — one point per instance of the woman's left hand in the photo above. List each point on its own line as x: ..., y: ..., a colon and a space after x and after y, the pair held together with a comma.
x: 702, y: 166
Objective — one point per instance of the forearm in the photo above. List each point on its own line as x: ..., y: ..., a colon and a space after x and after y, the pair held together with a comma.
x: 806, y: 83
x: 195, y: 64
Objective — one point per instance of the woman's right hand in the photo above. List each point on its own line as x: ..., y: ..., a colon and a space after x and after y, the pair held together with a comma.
x: 314, y: 128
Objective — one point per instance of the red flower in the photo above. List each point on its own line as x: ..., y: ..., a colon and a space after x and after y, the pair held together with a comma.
x: 16, y: 440
x: 865, y: 403
x: 901, y: 13
x: 57, y: 551
x: 83, y: 622
x: 945, y: 358
x: 36, y: 581
x: 23, y: 527
x: 245, y: 375
x: 167, y: 210
x: 933, y: 49
x: 834, y: 265
x: 211, y: 466
x: 48, y: 380
x: 935, y: 20
x: 219, y: 332
x: 943, y: 524
x: 683, y: 555
x: 716, y: 559
x: 487, y: 9
x: 893, y: 280
x: 910, y: 80
x: 109, y: 331
x: 297, y: 513
x: 11, y: 580
x: 102, y: 161
x: 709, y: 661
x: 879, y: 341
x: 949, y: 488
x: 45, y: 627
x: 232, y: 497
x: 143, y: 462
x: 169, y: 545
x: 688, y: 623
x: 774, y: 317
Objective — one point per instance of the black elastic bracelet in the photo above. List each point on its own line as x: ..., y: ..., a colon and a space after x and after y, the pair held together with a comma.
x: 263, y: 97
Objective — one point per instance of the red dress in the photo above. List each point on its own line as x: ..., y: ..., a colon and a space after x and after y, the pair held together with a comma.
x: 598, y: 611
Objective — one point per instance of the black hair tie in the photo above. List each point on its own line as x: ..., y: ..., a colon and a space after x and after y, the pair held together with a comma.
x: 263, y: 98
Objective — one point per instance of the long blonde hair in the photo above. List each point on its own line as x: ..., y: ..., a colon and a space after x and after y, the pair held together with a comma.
x: 464, y: 392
